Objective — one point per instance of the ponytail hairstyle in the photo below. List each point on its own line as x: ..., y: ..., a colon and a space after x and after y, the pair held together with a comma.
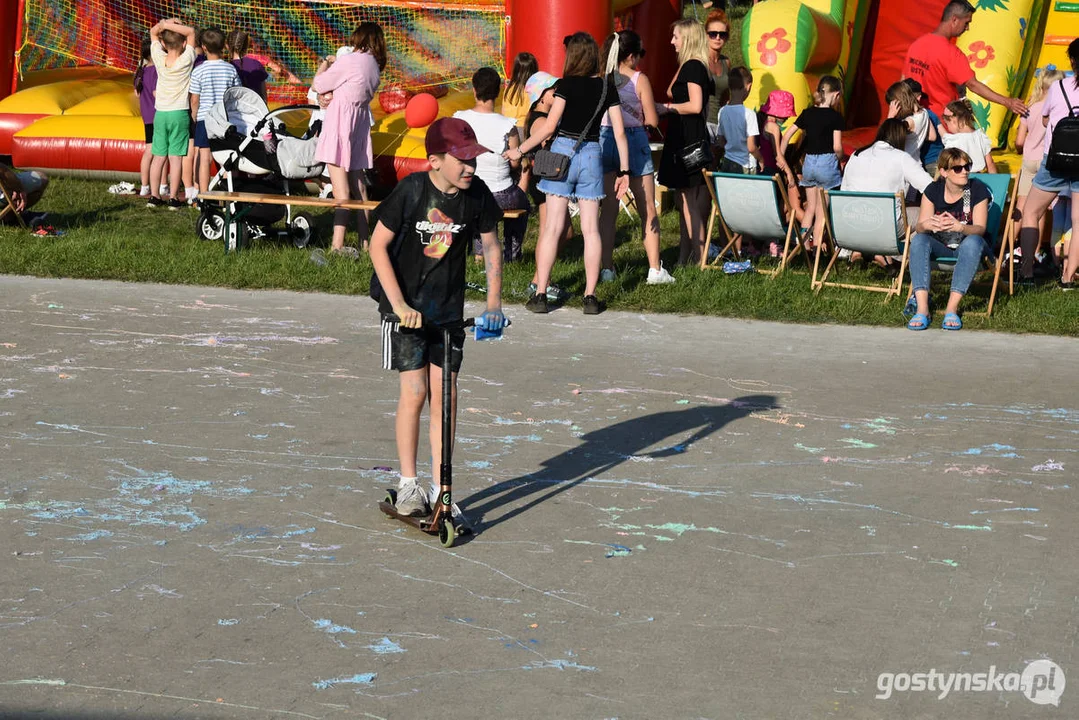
x: 141, y: 70
x: 525, y: 66
x: 238, y: 42
x: 963, y: 112
x: 902, y: 93
x: 629, y: 44
x: 830, y: 84
x: 1044, y: 78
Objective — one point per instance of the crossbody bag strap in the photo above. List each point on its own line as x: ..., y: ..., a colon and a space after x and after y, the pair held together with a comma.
x: 599, y: 109
x: 968, y: 218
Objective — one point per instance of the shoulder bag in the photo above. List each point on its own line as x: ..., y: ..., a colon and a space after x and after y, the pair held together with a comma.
x: 555, y: 166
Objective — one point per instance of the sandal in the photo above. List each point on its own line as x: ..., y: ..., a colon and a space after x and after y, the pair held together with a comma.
x: 918, y: 322
x: 951, y: 322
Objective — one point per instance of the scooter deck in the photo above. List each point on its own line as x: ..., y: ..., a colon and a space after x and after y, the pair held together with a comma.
x: 424, y: 523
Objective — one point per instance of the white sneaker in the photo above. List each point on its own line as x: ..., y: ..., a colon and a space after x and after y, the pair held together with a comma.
x: 660, y: 277
x: 607, y: 275
x: 412, y: 500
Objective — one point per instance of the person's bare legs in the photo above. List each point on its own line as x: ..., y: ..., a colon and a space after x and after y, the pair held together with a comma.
x: 593, y: 244
x: 205, y: 160
x: 1071, y: 265
x: 359, y: 190
x: 144, y: 167
x: 809, y: 218
x: 548, y: 241
x: 644, y: 195
x: 608, y: 219
x: 157, y: 173
x: 407, y: 423
x: 175, y: 171
x: 340, y: 181
x: 188, y: 170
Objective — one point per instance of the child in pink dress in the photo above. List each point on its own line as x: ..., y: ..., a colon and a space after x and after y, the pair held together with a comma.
x: 345, y: 141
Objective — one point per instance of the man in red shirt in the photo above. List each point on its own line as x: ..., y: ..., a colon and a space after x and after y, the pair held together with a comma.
x: 942, y: 68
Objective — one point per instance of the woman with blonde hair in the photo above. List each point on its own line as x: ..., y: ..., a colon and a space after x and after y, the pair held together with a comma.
x: 717, y: 29
x: 687, y: 149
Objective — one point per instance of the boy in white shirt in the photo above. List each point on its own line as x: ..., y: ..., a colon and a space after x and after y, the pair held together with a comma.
x: 172, y: 48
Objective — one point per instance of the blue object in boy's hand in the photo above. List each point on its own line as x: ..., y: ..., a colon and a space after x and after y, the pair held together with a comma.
x: 490, y: 325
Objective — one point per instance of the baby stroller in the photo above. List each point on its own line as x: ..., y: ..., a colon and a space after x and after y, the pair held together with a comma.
x: 256, y: 153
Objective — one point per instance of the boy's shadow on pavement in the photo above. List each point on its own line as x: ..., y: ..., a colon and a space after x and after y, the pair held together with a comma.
x: 605, y: 449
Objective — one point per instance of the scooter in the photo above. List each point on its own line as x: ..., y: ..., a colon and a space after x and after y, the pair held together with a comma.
x: 441, y: 521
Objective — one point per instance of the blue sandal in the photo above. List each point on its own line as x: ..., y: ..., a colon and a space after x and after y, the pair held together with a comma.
x: 951, y: 322
x: 918, y: 322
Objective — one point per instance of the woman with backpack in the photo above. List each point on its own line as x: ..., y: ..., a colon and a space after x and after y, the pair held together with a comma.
x: 1059, y: 170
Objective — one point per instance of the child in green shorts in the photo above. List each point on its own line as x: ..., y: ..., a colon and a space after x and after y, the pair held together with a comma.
x: 172, y: 48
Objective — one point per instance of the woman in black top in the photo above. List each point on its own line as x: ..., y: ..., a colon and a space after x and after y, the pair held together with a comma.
x: 689, y: 93
x: 576, y: 112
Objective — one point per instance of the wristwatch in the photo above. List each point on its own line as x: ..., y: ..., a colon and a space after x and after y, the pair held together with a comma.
x: 622, y: 173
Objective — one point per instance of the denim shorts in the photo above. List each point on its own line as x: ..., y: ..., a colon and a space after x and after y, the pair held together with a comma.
x: 640, y: 153
x: 1054, y: 183
x: 821, y: 171
x: 584, y: 181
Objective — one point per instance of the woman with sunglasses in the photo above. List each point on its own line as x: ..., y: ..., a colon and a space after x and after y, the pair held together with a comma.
x: 951, y: 224
x: 717, y: 28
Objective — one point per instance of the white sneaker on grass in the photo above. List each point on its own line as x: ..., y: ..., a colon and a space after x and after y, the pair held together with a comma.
x: 660, y: 276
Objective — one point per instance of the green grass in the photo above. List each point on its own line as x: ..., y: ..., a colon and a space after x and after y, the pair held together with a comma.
x: 116, y: 238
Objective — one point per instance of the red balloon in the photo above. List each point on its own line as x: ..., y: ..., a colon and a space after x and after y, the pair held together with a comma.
x: 421, y: 110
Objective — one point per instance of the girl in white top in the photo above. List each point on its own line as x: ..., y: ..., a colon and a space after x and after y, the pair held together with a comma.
x: 638, y: 114
x: 903, y: 105
x: 959, y: 129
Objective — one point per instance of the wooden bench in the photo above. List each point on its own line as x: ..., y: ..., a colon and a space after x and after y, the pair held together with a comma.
x: 232, y: 232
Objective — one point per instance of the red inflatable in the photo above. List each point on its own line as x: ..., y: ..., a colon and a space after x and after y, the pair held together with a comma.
x: 421, y: 110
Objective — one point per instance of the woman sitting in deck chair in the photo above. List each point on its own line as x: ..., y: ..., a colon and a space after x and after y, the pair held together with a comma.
x: 951, y: 225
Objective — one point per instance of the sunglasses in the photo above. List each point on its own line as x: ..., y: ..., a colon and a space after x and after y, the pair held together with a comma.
x: 717, y: 34
x: 961, y: 168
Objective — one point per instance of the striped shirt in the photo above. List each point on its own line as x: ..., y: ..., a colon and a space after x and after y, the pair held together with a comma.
x: 209, y: 81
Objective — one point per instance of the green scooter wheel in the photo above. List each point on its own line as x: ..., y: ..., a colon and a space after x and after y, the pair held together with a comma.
x: 447, y: 534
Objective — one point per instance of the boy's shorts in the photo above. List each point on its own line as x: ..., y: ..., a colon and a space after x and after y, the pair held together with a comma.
x: 405, y: 349
x: 201, y: 140
x: 170, y: 133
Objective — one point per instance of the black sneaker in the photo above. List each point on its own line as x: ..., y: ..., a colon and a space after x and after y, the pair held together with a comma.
x: 1066, y: 286
x: 537, y: 303
x: 153, y: 202
x: 176, y: 204
x: 592, y: 306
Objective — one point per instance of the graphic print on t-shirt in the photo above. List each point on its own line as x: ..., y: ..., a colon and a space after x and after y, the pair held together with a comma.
x: 436, y: 233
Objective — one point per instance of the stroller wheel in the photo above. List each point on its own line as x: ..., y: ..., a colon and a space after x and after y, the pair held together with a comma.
x: 210, y: 225
x: 303, y: 229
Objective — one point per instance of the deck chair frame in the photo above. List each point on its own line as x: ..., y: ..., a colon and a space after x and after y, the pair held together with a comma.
x: 784, y: 210
x: 8, y: 205
x: 894, y: 288
x: 1007, y: 245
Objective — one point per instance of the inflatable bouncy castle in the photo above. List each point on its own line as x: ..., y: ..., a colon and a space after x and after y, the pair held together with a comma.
x: 68, y: 64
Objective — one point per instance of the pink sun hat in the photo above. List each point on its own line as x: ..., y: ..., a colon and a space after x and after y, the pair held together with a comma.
x: 780, y: 104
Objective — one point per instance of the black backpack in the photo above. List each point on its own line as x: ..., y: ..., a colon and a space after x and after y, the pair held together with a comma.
x: 1063, y: 157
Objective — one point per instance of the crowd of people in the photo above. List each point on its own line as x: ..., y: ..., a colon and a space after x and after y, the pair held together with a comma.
x: 602, y: 116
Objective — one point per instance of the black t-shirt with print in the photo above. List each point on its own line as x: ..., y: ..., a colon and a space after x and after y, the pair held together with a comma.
x: 582, y: 96
x: 432, y: 235
x: 819, y: 125
x: 979, y: 192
